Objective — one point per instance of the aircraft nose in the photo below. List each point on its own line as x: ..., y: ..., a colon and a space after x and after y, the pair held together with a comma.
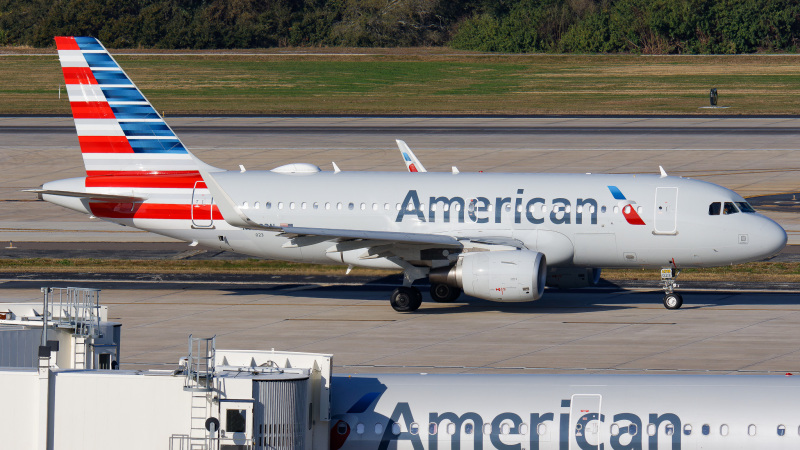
x: 771, y: 238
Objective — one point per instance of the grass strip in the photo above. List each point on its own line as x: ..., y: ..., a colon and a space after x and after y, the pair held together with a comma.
x: 427, y: 82
x: 755, y: 272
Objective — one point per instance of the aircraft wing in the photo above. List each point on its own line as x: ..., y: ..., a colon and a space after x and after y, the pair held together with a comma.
x: 407, y: 238
x: 495, y: 240
x: 410, y: 238
x: 235, y: 216
x: 87, y: 195
x: 371, y: 238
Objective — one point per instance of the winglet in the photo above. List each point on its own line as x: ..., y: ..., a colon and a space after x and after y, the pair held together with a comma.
x: 335, y: 167
x: 455, y: 170
x: 411, y: 160
x: 663, y: 172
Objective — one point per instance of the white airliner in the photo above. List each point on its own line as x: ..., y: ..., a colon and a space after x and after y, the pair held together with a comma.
x: 564, y: 412
x: 495, y: 236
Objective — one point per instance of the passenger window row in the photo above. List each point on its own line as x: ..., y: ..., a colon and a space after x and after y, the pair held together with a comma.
x: 505, y: 428
x: 446, y: 207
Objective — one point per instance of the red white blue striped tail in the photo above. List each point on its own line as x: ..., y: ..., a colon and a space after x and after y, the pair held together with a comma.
x: 119, y: 131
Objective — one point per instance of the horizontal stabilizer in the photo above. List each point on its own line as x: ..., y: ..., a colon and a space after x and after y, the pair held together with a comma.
x: 87, y: 195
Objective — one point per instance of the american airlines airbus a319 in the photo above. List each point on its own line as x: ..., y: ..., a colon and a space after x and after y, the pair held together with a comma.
x: 494, y: 236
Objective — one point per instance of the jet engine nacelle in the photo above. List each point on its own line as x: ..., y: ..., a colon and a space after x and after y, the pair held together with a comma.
x: 503, y: 275
x: 571, y: 278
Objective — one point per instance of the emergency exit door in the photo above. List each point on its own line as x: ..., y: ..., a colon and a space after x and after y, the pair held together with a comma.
x: 666, y: 211
x: 584, y: 419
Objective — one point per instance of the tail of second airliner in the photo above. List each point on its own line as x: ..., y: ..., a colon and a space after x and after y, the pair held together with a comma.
x: 119, y: 131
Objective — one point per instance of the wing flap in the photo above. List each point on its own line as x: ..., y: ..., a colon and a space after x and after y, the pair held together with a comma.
x: 411, y: 238
x: 234, y: 215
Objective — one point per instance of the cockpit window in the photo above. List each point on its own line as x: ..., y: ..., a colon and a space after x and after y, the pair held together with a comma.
x: 729, y: 208
x: 745, y: 207
x: 714, y: 209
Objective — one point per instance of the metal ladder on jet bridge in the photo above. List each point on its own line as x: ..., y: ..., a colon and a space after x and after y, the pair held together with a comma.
x: 200, y: 382
x: 79, y: 352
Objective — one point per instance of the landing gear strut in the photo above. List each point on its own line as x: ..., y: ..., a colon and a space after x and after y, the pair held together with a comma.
x: 406, y: 299
x: 443, y: 293
x: 672, y: 300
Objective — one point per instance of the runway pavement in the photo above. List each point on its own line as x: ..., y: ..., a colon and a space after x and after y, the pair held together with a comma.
x: 754, y: 156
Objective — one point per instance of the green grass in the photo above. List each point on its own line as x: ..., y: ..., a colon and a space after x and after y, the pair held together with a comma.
x: 420, y: 81
x: 759, y: 271
x: 251, y: 265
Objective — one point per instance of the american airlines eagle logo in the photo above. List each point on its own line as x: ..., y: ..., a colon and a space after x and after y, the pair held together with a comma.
x: 627, y: 207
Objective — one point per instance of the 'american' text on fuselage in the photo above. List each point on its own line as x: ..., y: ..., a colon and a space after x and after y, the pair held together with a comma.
x: 479, y: 209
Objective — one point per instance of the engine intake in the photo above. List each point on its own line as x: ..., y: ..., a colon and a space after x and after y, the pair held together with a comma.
x: 503, y: 275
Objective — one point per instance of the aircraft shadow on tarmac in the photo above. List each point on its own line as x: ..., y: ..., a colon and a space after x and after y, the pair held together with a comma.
x: 606, y: 297
x: 577, y: 300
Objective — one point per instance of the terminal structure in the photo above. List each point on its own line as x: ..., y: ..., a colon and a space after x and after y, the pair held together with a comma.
x: 67, y: 394
x: 62, y: 389
x: 69, y: 329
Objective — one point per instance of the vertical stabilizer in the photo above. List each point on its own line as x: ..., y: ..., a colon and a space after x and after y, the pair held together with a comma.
x: 119, y: 131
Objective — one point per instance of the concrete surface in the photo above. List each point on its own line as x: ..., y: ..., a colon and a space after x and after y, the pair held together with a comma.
x: 586, y: 331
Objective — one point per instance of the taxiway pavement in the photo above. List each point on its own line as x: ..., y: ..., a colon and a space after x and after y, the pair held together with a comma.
x: 605, y: 330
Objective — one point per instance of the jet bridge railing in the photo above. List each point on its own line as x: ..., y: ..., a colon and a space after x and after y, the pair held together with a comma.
x: 74, y: 307
x: 200, y: 364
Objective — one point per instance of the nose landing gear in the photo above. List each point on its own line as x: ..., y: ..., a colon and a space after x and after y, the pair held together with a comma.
x: 672, y: 300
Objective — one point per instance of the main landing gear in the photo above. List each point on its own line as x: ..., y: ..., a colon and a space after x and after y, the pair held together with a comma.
x: 443, y: 293
x: 409, y: 298
x: 672, y: 300
x: 406, y: 299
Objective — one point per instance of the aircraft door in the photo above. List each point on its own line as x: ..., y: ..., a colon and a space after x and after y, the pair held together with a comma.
x: 584, y: 421
x: 666, y: 211
x: 202, y: 206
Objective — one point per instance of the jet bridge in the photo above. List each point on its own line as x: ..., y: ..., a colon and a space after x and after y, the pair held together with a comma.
x: 212, y: 400
x: 70, y: 325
